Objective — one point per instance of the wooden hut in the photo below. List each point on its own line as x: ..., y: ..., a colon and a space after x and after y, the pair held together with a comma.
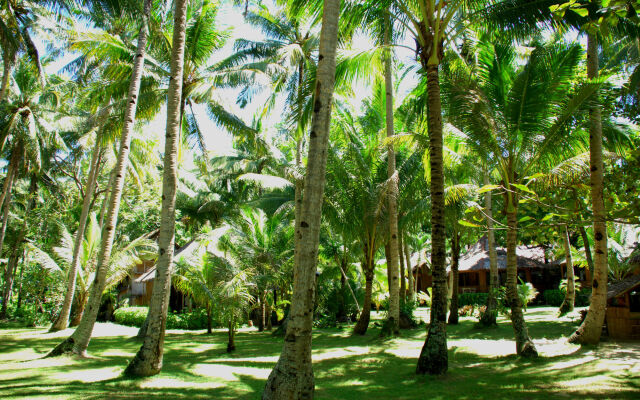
x: 623, y: 308
x: 473, y: 269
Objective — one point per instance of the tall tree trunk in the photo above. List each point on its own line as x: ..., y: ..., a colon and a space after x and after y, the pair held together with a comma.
x: 105, y: 201
x: 591, y: 328
x: 491, y: 312
x: 17, y: 249
x: 403, y: 281
x: 434, y: 358
x: 455, y: 258
x: 267, y: 309
x: 12, y: 172
x: 412, y: 288
x: 231, y: 344
x: 570, y: 295
x: 587, y: 249
x: 292, y: 377
x: 209, y: 330
x: 392, y: 199
x: 365, y: 315
x: 263, y: 310
x: 7, y: 64
x: 63, y: 319
x: 79, y: 340
x: 5, y: 204
x: 346, y: 280
x: 80, y: 304
x: 25, y: 262
x: 524, y: 344
x: 148, y: 360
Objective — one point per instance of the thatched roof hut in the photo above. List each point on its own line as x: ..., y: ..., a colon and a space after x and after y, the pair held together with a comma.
x: 477, y: 257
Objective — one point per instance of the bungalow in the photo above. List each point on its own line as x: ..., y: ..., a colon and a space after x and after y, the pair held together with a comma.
x: 473, y: 268
x: 623, y: 308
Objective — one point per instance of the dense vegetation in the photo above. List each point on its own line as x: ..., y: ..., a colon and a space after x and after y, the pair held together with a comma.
x: 373, y: 143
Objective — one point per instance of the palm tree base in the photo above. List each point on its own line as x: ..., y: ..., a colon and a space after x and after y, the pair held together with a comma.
x: 434, y: 357
x: 66, y: 347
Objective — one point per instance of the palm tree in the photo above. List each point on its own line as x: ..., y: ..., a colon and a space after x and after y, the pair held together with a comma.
x: 263, y: 244
x: 125, y: 254
x: 148, y: 360
x: 79, y: 340
x: 292, y: 377
x: 525, y: 133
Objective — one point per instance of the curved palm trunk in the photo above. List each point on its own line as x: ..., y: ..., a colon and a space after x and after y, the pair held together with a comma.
x: 524, y: 345
x: 17, y: 249
x: 434, y: 358
x: 292, y: 377
x: 491, y: 312
x: 148, y: 360
x: 79, y: 340
x: 591, y: 328
x: 570, y: 295
x: 455, y: 258
x: 365, y: 315
x: 394, y: 289
x: 63, y: 319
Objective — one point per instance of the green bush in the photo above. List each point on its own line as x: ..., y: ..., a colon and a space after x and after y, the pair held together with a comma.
x: 135, y: 316
x: 472, y: 299
x: 555, y: 297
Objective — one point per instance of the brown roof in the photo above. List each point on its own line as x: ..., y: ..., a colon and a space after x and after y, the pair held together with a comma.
x: 617, y: 288
x: 477, y: 258
x: 151, y: 273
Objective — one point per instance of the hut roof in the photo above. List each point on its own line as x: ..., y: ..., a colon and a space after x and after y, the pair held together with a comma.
x: 477, y: 258
x: 615, y: 289
x: 187, y: 250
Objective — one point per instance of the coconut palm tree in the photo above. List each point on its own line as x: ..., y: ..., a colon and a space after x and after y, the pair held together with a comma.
x: 525, y: 133
x: 125, y: 254
x: 79, y: 340
x: 148, y: 360
x: 292, y: 377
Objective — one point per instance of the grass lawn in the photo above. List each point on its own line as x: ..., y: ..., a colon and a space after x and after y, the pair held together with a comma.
x: 482, y: 364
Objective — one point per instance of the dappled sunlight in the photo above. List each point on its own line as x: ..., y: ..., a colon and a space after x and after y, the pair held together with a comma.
x: 339, y: 353
x: 88, y: 376
x: 230, y: 373
x: 161, y: 382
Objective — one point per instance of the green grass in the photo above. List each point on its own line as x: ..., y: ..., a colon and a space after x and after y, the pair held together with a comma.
x: 481, y: 365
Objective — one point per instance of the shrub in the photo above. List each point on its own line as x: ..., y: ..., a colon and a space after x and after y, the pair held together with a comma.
x: 555, y: 297
x: 472, y: 299
x: 135, y: 316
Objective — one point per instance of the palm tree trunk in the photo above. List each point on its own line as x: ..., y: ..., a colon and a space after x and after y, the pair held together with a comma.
x: 412, y: 288
x: 345, y: 278
x: 455, y: 257
x: 5, y: 204
x: 231, y: 344
x: 292, y: 377
x: 79, y: 340
x: 12, y: 172
x: 587, y: 249
x: 105, y: 201
x: 6, y: 74
x: 524, y: 345
x: 80, y: 304
x: 148, y: 360
x: 591, y: 328
x: 570, y: 295
x: 63, y: 319
x: 403, y: 281
x: 365, y: 315
x: 17, y: 249
x: 262, y: 313
x: 209, y: 330
x: 20, y: 281
x: 434, y: 358
x: 394, y: 289
x: 491, y: 312
x: 267, y: 309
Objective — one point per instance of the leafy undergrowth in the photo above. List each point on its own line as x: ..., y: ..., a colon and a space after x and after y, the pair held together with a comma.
x: 196, y: 365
